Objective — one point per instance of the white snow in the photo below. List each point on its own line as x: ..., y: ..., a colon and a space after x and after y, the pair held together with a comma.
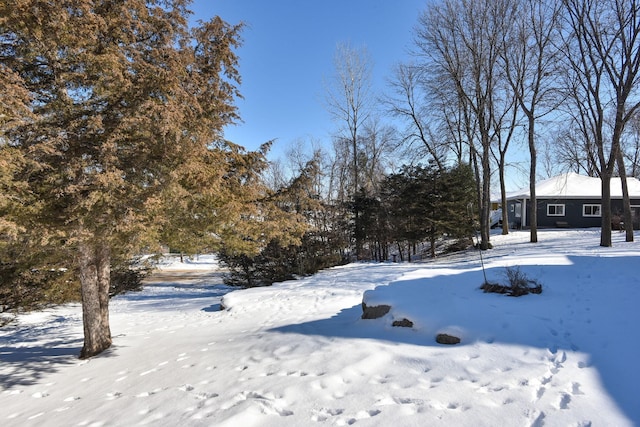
x: 298, y: 353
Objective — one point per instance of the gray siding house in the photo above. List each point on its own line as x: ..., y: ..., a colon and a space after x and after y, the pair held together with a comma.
x: 571, y: 200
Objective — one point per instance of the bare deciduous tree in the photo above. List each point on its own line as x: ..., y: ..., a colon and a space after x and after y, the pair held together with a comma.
x: 349, y: 101
x: 376, y: 145
x: 349, y: 97
x: 632, y: 147
x: 530, y: 63
x: 603, y: 54
x: 408, y: 103
x: 461, y: 42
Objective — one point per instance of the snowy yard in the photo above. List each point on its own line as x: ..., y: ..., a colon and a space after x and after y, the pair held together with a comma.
x: 298, y: 353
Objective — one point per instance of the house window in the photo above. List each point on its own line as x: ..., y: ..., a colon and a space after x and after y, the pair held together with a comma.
x: 555, y: 210
x: 591, y: 210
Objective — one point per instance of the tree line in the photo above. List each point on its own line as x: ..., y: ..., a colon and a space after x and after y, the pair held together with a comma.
x: 555, y: 81
x: 112, y: 118
x: 495, y: 72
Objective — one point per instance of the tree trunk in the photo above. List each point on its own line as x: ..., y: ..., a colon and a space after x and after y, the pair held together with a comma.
x: 94, y: 265
x: 485, y: 207
x: 432, y: 243
x: 533, y: 201
x: 605, y: 234
x: 626, y: 201
x: 503, y: 200
x: 478, y: 182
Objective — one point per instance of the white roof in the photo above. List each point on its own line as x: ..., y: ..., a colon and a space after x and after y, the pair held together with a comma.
x: 574, y: 186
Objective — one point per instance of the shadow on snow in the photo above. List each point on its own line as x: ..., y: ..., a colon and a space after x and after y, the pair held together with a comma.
x: 28, y: 354
x: 593, y: 317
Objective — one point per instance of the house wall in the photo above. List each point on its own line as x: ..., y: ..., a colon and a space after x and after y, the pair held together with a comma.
x: 573, y: 213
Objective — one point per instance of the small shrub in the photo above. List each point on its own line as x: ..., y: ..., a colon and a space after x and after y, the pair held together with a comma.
x: 128, y: 278
x: 518, y: 284
x: 125, y: 280
x: 277, y: 263
x: 459, y: 245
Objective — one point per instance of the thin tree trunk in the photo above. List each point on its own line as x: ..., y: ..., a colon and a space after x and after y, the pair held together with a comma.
x: 605, y: 234
x: 626, y: 201
x: 432, y: 242
x: 479, y: 188
x: 94, y: 265
x: 485, y: 208
x: 533, y: 212
x: 503, y: 200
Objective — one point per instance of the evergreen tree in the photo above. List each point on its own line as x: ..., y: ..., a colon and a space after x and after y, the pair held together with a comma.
x: 425, y: 203
x: 458, y: 193
x: 115, y: 129
x: 306, y: 243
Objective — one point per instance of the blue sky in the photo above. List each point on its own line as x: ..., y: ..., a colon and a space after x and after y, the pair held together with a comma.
x: 288, y: 51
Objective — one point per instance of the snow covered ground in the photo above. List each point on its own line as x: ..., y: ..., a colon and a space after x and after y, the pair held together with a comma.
x: 298, y: 353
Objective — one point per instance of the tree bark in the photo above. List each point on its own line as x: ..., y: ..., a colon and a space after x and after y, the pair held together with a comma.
x: 485, y: 207
x: 605, y: 234
x: 626, y: 201
x: 94, y: 263
x: 432, y: 243
x: 503, y: 201
x: 533, y: 201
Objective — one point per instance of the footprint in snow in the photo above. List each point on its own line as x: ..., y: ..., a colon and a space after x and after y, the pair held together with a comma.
x: 296, y: 374
x: 323, y: 414
x: 205, y: 396
x: 343, y: 422
x: 271, y: 408
x: 560, y: 358
x: 378, y: 379
x: 575, y: 389
x: 565, y: 399
x: 537, y: 418
x: 361, y: 415
x: 113, y: 395
x: 455, y: 406
x: 269, y: 404
x: 149, y: 393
